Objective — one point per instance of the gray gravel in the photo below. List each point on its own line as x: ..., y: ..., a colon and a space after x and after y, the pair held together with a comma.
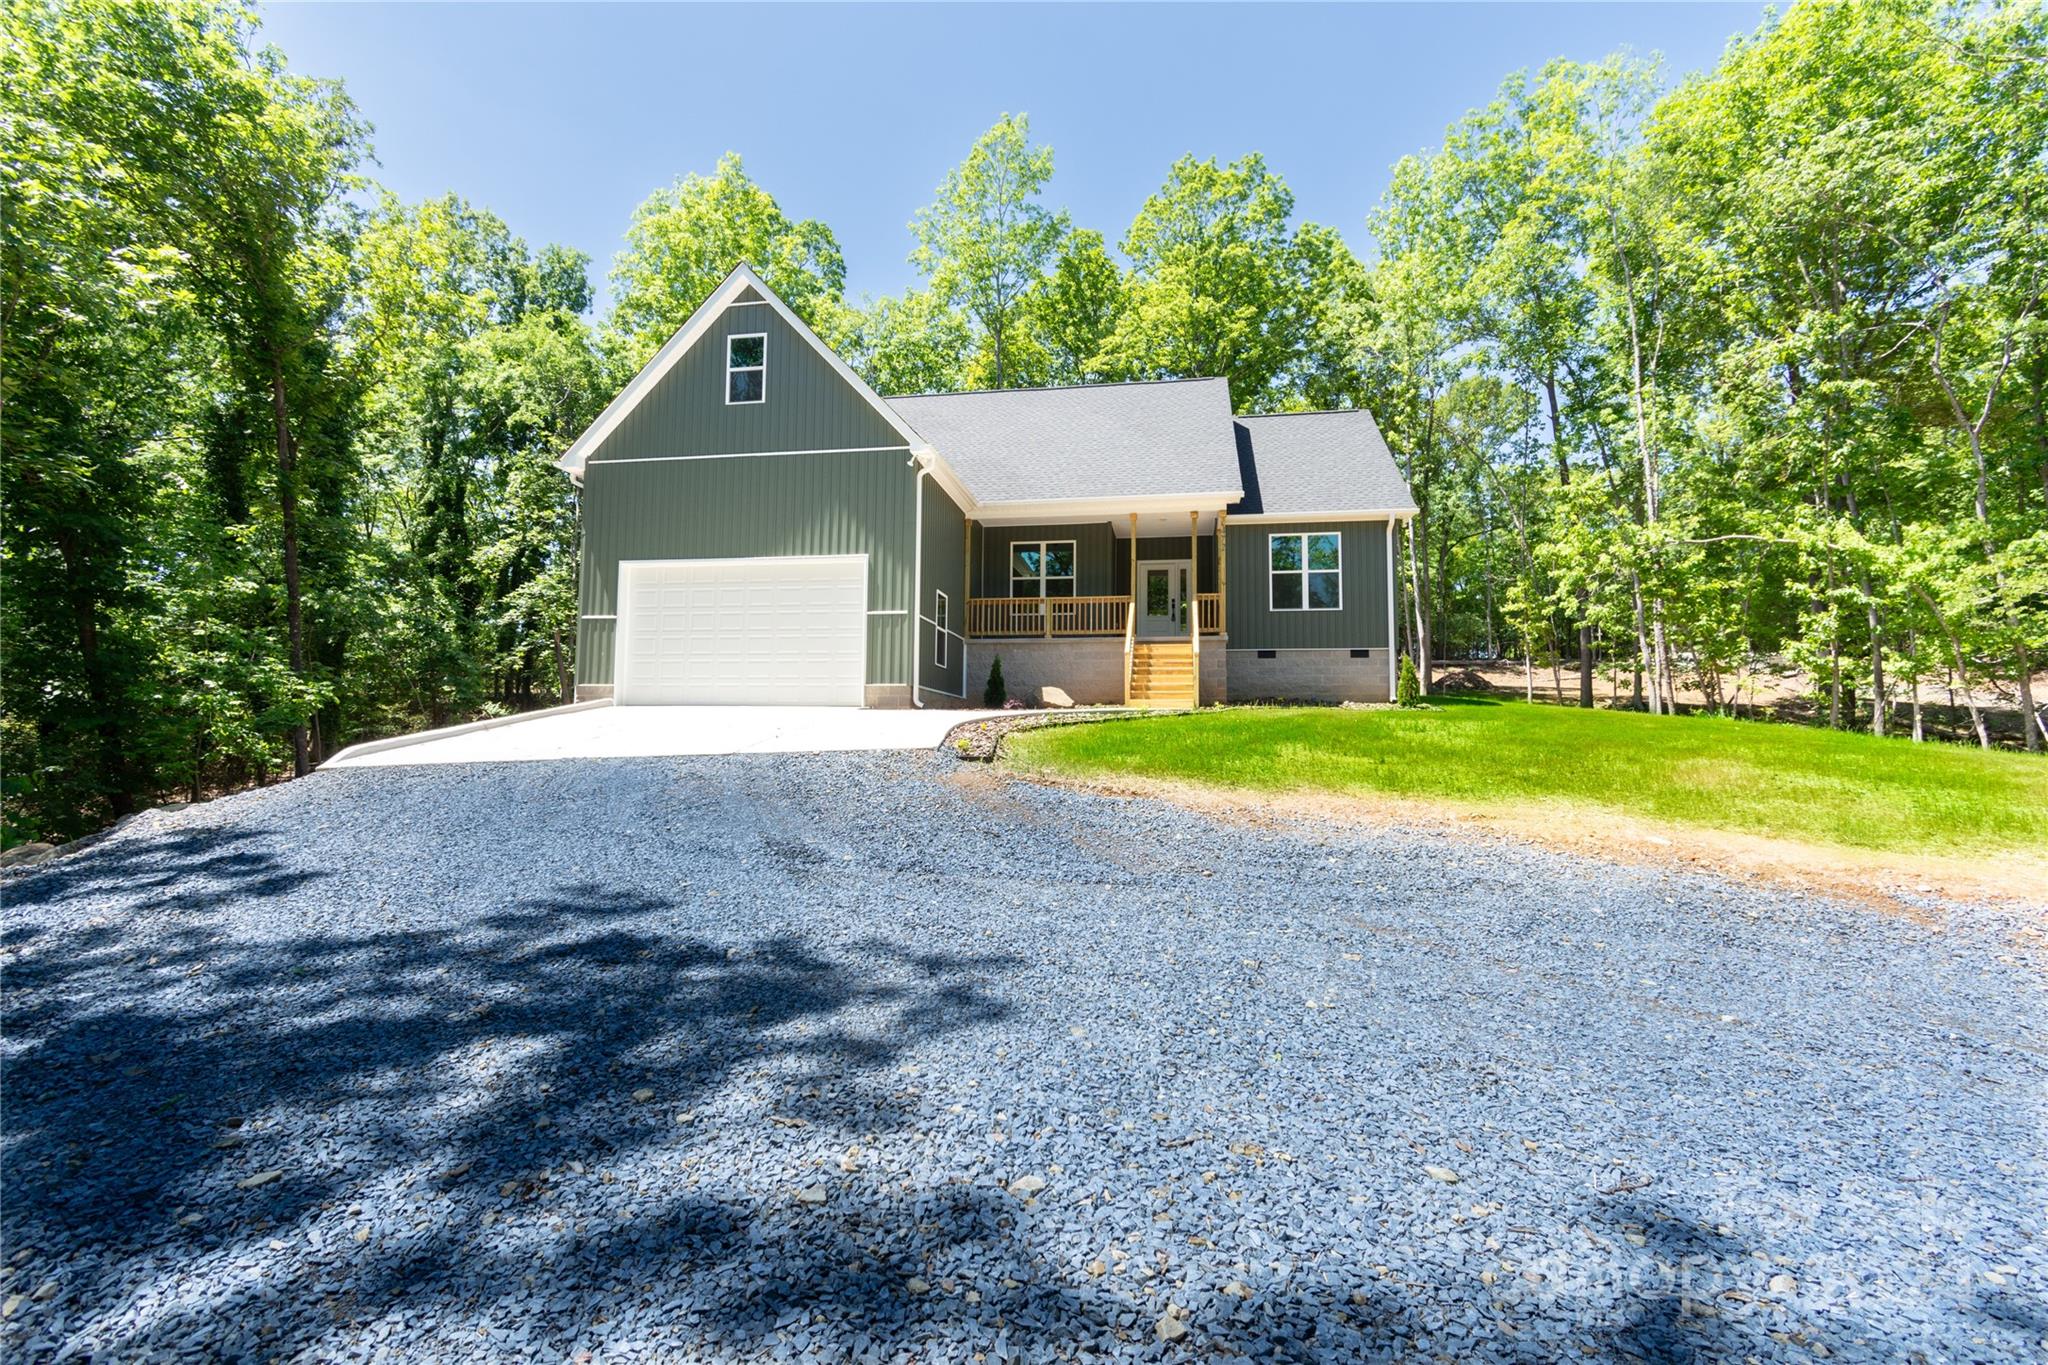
x: 765, y: 1058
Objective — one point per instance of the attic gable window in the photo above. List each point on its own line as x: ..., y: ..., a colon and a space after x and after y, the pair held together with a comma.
x: 746, y: 368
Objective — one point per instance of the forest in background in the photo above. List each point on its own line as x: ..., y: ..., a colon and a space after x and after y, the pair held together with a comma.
x: 1689, y: 380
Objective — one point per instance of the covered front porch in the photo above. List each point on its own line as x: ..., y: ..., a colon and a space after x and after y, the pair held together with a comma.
x: 1156, y: 581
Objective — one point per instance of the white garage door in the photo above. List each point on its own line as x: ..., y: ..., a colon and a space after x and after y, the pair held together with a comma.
x: 744, y: 632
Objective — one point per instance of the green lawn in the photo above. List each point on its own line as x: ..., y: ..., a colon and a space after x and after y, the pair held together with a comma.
x: 1784, y: 781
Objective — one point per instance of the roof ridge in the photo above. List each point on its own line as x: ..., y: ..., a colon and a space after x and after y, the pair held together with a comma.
x: 1306, y: 412
x: 1059, y: 388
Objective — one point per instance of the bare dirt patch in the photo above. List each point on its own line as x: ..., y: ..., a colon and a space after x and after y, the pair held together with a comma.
x: 1774, y: 689
x: 1895, y: 882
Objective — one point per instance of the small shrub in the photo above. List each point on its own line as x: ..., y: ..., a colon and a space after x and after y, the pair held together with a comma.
x: 997, y: 692
x: 1407, y: 687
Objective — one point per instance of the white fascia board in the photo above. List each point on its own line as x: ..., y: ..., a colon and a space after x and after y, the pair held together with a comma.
x: 1353, y: 514
x: 943, y: 475
x: 1094, y: 509
x: 700, y: 322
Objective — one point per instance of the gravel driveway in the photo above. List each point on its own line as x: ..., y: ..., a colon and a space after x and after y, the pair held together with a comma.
x: 874, y: 1057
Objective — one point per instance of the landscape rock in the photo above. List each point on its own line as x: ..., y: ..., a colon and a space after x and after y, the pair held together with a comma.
x: 21, y: 855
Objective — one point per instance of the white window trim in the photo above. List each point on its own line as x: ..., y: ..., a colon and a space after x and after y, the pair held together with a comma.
x: 1304, y: 571
x: 1011, y: 566
x: 732, y: 369
x: 941, y: 619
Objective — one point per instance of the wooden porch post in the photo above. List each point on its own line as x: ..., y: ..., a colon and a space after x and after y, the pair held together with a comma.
x: 1134, y: 566
x: 1222, y: 579
x: 1195, y: 607
x: 1131, y: 612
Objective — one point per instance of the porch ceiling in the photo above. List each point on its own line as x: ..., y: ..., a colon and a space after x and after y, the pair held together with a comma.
x: 1149, y: 523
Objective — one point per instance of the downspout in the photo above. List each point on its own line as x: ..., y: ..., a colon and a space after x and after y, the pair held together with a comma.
x: 1393, y: 615
x: 917, y: 583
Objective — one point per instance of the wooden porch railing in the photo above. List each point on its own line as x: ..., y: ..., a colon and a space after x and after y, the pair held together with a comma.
x: 999, y: 617
x: 1211, y: 607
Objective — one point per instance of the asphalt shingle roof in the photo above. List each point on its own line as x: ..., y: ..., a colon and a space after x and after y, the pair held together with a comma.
x: 1317, y: 462
x: 1092, y: 441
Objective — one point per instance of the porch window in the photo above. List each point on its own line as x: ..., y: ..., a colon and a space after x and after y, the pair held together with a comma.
x: 1307, y: 571
x: 1041, y: 568
x: 939, y: 630
x: 746, y: 368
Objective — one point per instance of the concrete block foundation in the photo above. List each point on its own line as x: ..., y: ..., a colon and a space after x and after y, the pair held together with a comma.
x: 1326, y: 675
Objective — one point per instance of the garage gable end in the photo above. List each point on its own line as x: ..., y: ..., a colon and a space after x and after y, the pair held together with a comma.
x: 744, y: 376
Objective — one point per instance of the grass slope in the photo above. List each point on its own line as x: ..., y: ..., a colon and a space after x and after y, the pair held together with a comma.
x: 1779, y: 781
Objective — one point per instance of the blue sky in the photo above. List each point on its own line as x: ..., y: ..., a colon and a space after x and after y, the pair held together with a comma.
x: 561, y: 118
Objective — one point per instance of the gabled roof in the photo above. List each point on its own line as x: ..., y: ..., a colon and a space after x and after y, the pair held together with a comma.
x: 1166, y: 439
x: 1012, y: 450
x: 742, y: 285
x: 1318, y: 464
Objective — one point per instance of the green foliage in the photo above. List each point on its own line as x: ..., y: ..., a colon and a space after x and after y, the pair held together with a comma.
x: 277, y: 471
x: 1750, y: 369
x: 985, y: 243
x: 997, y: 692
x: 1779, y: 781
x: 1221, y: 283
x: 687, y: 237
x: 915, y: 344
x: 1076, y: 308
x: 1696, y: 381
x: 1407, y: 687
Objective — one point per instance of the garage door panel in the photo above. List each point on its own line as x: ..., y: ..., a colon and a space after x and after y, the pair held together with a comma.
x: 733, y: 632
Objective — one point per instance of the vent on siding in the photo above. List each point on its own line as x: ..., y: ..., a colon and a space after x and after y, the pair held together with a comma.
x: 1361, y: 654
x: 1269, y: 654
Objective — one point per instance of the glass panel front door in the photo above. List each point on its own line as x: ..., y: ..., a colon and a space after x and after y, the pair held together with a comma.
x: 1163, y: 598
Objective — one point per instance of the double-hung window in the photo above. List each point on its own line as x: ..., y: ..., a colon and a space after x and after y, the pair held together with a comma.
x: 746, y: 368
x: 1041, y: 568
x: 1307, y: 571
x: 939, y: 630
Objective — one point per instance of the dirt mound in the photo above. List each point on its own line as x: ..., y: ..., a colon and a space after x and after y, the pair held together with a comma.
x: 1462, y: 680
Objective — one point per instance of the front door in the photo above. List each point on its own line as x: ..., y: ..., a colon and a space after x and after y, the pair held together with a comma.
x: 1164, y: 594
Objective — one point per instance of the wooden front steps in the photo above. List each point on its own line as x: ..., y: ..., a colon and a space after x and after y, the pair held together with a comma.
x: 1162, y: 674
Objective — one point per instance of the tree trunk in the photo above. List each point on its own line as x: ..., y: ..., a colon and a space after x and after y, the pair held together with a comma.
x: 116, y: 777
x: 1486, y: 580
x: 1635, y: 585
x: 1418, y: 573
x: 1662, y: 677
x: 1962, y: 675
x: 1564, y: 478
x: 1975, y: 431
x: 288, y: 514
x: 2030, y: 720
x: 563, y: 687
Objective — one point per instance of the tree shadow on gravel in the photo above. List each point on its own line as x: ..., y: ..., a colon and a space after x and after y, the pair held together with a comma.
x: 189, y: 869
x: 152, y: 1091
x: 1678, y: 1307
x: 570, y: 1122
